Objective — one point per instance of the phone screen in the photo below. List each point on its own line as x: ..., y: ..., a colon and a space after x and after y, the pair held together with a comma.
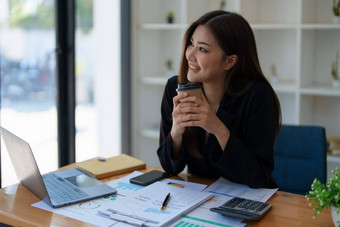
x: 148, y: 178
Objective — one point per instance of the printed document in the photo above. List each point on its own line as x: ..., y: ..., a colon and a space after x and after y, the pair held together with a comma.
x: 146, y: 203
x: 88, y: 211
x: 227, y: 188
x: 223, y: 190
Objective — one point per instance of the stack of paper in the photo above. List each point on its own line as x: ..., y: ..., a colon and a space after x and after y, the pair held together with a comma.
x: 145, y: 204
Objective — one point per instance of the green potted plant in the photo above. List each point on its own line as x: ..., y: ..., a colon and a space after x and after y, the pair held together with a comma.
x: 327, y: 195
x: 336, y: 11
x: 169, y: 68
x: 335, y: 71
x: 273, y: 77
x: 222, y: 4
x: 170, y: 17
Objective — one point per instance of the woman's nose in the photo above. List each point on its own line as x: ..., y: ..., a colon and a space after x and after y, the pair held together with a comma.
x: 191, y: 54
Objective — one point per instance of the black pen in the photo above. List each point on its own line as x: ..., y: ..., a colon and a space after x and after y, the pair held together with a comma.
x: 165, y: 202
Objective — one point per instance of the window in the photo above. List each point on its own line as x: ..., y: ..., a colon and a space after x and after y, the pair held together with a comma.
x: 28, y: 88
x: 28, y: 80
x: 97, y: 79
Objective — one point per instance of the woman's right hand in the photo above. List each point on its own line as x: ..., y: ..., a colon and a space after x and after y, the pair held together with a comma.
x: 177, y: 130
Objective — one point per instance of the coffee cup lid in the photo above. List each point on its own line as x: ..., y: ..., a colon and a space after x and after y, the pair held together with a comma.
x: 188, y: 86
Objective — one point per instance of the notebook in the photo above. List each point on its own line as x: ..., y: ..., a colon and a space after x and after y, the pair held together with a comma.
x: 111, y: 166
x: 57, y: 189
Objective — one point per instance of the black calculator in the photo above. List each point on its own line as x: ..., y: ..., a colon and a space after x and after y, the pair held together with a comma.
x: 243, y: 208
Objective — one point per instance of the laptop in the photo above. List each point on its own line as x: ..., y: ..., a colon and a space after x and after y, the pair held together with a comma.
x: 57, y: 189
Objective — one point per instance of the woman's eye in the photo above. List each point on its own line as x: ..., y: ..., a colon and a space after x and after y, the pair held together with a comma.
x: 203, y: 50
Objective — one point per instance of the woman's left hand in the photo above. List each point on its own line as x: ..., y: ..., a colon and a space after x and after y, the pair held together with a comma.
x: 198, y: 113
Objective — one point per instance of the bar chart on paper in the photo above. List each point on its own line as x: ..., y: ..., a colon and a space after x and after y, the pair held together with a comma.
x: 187, y: 221
x: 187, y: 224
x: 127, y: 186
x: 156, y: 211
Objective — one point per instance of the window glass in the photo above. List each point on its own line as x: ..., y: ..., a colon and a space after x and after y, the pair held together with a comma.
x: 97, y: 79
x: 28, y: 79
x: 28, y: 87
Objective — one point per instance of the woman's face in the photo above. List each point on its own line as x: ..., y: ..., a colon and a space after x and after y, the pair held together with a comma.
x: 206, y: 60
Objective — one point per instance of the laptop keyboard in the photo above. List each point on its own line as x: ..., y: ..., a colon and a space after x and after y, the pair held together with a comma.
x: 61, y: 190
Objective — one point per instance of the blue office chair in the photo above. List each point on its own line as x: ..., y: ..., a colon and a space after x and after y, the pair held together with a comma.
x: 300, y: 157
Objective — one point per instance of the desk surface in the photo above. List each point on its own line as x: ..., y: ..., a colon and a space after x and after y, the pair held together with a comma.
x: 288, y: 209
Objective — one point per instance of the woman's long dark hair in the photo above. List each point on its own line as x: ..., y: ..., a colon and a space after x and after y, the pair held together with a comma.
x: 234, y: 36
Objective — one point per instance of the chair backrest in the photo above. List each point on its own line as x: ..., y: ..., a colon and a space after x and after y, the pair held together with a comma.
x: 300, y: 157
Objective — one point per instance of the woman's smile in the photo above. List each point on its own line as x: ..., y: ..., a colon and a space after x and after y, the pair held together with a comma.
x: 194, y: 68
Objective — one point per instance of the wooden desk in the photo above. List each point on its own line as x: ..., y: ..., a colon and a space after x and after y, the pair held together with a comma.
x: 288, y: 209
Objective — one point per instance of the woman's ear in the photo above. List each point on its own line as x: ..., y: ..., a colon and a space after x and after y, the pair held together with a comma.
x: 230, y: 61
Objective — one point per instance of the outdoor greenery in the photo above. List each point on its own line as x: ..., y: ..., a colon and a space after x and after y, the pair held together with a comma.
x: 84, y: 15
x: 25, y: 15
x: 322, y: 196
x: 335, y: 68
x: 336, y: 7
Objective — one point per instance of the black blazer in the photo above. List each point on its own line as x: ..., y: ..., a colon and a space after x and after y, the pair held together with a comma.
x: 248, y: 156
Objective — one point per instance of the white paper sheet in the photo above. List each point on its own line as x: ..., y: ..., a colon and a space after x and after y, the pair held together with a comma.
x: 202, y: 216
x: 227, y: 188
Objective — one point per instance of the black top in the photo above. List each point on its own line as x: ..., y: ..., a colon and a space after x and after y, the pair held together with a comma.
x: 248, y: 157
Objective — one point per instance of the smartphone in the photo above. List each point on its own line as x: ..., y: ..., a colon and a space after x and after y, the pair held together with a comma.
x: 149, y: 177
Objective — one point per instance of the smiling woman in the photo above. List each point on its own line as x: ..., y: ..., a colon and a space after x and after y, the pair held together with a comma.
x: 230, y: 132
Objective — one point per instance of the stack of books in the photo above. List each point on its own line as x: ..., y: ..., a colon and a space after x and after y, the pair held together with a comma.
x: 333, y: 145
